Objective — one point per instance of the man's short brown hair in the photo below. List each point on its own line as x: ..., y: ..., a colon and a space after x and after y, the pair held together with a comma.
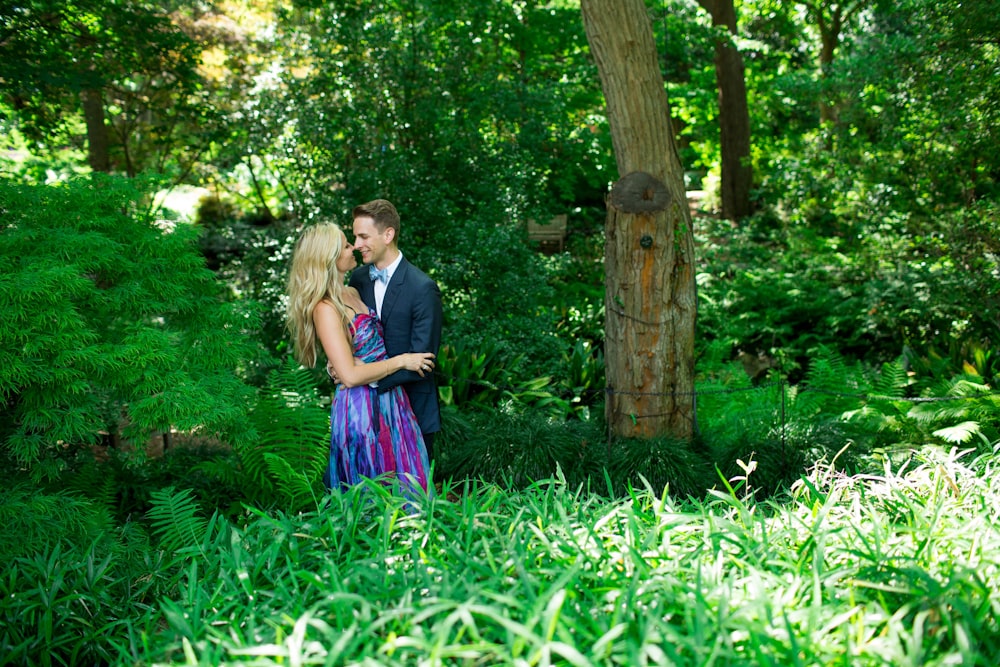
x: 382, y: 212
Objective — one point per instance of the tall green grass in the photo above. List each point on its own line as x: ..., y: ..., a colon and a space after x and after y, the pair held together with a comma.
x: 892, y: 569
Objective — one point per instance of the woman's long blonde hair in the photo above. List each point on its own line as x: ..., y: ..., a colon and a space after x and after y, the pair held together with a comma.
x: 313, y: 278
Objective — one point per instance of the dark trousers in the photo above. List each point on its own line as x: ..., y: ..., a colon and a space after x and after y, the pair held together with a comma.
x: 429, y: 445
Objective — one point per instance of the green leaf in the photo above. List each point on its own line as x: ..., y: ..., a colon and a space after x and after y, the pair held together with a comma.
x: 959, y: 433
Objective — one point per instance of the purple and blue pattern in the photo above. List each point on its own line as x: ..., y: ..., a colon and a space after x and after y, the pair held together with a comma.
x: 374, y: 435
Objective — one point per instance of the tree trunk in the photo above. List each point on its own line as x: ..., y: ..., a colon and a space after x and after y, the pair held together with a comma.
x: 734, y: 114
x: 97, y: 131
x: 830, y: 19
x: 649, y: 247
x: 829, y: 31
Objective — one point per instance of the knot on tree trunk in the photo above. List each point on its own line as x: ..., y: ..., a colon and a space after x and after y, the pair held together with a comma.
x: 639, y: 192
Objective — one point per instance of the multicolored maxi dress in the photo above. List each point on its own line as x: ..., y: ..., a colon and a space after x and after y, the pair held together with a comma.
x: 372, y: 434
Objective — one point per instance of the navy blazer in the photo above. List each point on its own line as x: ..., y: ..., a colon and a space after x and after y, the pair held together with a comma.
x: 411, y: 320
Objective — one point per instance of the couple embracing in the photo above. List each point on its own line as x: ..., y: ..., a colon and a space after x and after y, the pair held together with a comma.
x: 380, y: 334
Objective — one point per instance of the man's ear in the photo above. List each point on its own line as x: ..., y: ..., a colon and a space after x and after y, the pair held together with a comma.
x: 390, y: 234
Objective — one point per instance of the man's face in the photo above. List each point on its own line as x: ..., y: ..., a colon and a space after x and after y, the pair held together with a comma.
x: 369, y: 241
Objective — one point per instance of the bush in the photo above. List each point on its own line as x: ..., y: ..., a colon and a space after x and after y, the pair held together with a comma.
x: 518, y: 448
x: 112, y: 324
x: 74, y: 588
x: 907, y: 280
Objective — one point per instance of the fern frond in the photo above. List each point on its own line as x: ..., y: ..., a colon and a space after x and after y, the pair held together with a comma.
x: 892, y: 380
x: 959, y: 433
x: 300, y: 489
x: 93, y: 481
x: 827, y: 370
x: 831, y: 386
x: 175, y: 518
x: 292, y: 421
x: 971, y: 398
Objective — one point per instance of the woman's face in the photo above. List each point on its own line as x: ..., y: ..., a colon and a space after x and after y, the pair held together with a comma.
x: 346, y: 261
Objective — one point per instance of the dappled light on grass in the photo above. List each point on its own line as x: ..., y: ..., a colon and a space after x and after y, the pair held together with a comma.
x: 893, y: 568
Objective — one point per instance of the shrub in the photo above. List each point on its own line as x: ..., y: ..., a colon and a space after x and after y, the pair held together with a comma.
x: 518, y: 448
x: 111, y: 324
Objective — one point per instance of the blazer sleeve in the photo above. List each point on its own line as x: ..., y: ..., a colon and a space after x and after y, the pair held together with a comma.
x: 425, y: 333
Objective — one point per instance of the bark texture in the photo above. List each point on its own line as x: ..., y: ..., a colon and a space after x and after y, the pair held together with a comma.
x: 98, y: 142
x: 649, y: 247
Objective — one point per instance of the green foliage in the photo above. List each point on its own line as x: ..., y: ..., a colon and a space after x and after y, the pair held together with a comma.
x: 251, y: 257
x: 487, y: 303
x: 174, y: 517
x: 501, y: 577
x: 788, y: 292
x: 661, y: 465
x: 18, y: 155
x: 954, y: 411
x: 481, y: 378
x: 283, y: 464
x: 686, y: 61
x: 518, y: 448
x: 65, y: 617
x: 32, y: 522
x: 577, y: 279
x: 111, y: 322
x: 784, y: 429
x: 464, y: 109
x: 187, y: 465
x: 912, y: 109
x: 74, y: 587
x: 286, y: 464
x: 840, y: 413
x: 842, y: 405
x: 129, y: 58
x: 929, y: 102
x: 740, y: 422
x: 862, y: 241
x: 581, y: 387
x: 470, y: 375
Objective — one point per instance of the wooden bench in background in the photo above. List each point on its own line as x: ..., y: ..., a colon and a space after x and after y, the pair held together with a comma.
x: 550, y: 234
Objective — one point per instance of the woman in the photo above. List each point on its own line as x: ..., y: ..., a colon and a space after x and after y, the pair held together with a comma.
x: 372, y: 434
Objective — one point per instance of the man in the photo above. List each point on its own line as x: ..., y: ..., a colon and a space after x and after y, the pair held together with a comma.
x: 408, y: 304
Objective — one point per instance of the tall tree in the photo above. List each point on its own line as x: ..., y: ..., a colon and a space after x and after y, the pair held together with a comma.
x: 121, y: 63
x: 649, y: 247
x: 830, y: 19
x: 734, y: 114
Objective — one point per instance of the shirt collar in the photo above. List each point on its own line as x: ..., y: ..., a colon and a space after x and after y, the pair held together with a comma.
x: 391, y: 269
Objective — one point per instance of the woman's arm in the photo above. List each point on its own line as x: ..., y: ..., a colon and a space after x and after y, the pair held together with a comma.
x: 333, y: 336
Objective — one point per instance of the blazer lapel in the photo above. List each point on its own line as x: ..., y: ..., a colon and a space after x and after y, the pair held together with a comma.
x: 393, y: 289
x: 366, y: 288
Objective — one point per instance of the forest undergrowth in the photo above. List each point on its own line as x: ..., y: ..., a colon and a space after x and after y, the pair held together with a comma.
x: 868, y: 569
